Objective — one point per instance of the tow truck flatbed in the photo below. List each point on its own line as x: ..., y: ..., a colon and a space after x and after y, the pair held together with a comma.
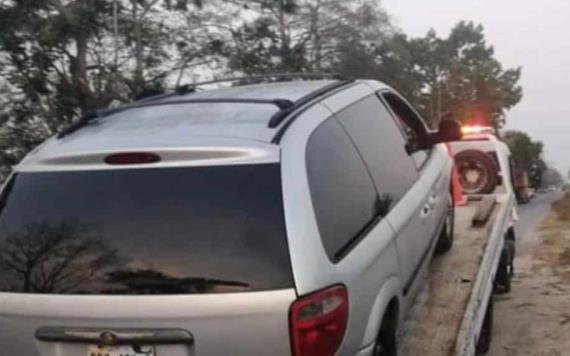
x: 448, y: 313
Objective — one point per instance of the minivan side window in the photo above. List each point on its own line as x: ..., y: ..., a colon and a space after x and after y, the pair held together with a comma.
x: 378, y: 139
x: 411, y: 124
x: 342, y: 192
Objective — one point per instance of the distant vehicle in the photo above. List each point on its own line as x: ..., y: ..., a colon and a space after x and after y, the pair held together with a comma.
x: 531, y: 193
x: 522, y: 185
x: 280, y: 218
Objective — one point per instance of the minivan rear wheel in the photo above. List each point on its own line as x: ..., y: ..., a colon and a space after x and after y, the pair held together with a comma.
x: 386, y: 344
x: 445, y: 241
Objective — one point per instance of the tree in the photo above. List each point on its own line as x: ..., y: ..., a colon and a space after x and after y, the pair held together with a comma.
x: 305, y: 35
x: 526, y: 155
x: 455, y: 77
x: 60, y: 59
x: 64, y: 58
x: 523, y: 149
x: 54, y: 258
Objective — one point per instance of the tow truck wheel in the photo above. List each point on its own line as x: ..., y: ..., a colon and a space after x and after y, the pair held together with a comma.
x: 484, y: 342
x: 504, y: 271
x: 477, y: 172
x: 445, y: 241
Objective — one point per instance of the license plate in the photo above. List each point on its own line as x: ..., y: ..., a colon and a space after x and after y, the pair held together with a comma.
x: 123, y: 350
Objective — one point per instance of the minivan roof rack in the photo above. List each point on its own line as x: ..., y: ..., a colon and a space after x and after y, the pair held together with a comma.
x: 286, y: 107
x: 259, y: 78
x: 283, y: 113
x: 300, y: 104
x: 282, y: 104
x: 83, y: 120
x: 241, y: 80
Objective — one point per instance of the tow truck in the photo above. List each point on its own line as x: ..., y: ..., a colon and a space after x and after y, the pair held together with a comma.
x: 453, y: 313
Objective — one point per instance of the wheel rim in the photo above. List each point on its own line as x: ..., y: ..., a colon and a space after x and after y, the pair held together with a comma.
x: 473, y: 175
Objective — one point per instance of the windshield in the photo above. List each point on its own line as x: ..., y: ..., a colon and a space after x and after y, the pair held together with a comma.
x: 144, y: 231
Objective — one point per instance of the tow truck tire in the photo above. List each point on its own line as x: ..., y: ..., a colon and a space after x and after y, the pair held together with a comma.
x: 478, y: 161
x: 485, y: 336
x: 504, y: 271
x: 445, y: 240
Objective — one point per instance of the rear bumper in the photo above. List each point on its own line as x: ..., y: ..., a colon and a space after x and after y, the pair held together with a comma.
x: 252, y: 323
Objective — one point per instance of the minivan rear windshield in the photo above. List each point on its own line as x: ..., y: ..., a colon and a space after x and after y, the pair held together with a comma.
x: 144, y: 231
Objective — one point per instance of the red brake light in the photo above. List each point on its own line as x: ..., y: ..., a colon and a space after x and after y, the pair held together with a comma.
x: 132, y: 158
x: 318, y: 322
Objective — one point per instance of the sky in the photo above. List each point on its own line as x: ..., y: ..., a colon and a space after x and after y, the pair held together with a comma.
x: 533, y: 35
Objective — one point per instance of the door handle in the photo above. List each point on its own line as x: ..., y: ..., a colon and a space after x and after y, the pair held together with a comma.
x: 432, y: 200
x: 114, y: 336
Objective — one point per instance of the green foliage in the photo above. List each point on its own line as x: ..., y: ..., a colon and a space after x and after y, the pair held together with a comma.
x: 523, y: 149
x: 62, y: 58
x: 312, y: 35
x: 456, y: 77
x: 527, y: 155
x: 65, y: 58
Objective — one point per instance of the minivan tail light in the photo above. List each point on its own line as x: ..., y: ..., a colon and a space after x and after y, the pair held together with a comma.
x: 318, y: 321
x: 132, y: 158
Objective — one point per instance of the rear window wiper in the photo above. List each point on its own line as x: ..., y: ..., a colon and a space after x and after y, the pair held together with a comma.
x: 150, y: 282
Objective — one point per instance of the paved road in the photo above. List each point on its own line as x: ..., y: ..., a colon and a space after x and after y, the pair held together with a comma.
x: 529, y: 216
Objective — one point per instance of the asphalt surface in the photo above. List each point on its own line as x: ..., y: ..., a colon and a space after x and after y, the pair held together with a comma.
x: 530, y: 215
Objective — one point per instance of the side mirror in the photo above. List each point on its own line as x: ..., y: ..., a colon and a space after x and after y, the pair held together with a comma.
x: 449, y: 130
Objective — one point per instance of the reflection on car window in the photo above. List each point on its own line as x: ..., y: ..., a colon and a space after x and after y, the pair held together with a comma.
x: 366, y: 121
x: 412, y: 126
x: 343, y: 194
x: 150, y: 231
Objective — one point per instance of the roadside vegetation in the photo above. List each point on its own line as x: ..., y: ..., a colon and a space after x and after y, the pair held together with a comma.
x: 553, y: 253
x: 562, y: 208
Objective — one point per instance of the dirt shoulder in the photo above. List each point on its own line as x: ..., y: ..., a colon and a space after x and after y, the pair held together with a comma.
x: 534, y: 319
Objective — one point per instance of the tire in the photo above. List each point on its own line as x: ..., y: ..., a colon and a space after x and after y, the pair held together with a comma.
x: 511, y: 244
x: 445, y: 240
x: 477, y: 172
x: 386, y: 345
x: 485, y: 336
x: 504, y: 270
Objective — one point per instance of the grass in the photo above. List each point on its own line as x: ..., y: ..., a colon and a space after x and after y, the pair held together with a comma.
x: 552, y: 255
x: 562, y: 207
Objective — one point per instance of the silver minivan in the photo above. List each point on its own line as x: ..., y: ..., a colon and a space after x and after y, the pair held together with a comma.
x: 282, y: 218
